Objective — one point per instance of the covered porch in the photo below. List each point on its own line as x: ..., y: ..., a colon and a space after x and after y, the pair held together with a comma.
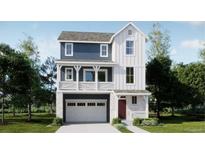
x: 129, y: 104
x: 85, y: 76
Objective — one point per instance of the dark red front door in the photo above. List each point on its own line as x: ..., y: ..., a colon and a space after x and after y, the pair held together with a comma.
x: 122, y: 109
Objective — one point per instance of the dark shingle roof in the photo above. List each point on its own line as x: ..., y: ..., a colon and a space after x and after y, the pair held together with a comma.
x: 85, y: 36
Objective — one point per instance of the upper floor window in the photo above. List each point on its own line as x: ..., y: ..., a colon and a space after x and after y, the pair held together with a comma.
x: 129, y: 47
x: 103, y: 50
x: 129, y: 75
x: 129, y: 32
x: 68, y: 49
x: 89, y: 75
x: 69, y: 74
x: 102, y: 75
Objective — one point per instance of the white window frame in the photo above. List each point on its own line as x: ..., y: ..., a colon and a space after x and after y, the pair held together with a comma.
x: 84, y: 74
x: 66, y: 44
x: 101, y: 45
x: 136, y: 100
x: 67, y: 75
x: 133, y: 75
x: 133, y: 53
x: 106, y: 75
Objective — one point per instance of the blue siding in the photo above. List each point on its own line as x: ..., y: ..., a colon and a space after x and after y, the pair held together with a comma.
x: 86, y: 51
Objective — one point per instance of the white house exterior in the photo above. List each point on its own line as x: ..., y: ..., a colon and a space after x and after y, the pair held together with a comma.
x: 101, y: 76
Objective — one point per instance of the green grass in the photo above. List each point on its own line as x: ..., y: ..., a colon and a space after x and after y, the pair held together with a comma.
x: 178, y: 124
x: 124, y: 130
x: 18, y: 124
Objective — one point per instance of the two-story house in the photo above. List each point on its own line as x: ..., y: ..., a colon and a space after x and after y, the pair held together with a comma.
x: 101, y: 76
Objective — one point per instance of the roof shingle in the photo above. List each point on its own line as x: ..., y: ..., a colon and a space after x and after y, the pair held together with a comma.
x: 85, y: 36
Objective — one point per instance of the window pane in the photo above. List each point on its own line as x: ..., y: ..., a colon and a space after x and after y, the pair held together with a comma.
x: 129, y: 75
x: 89, y: 76
x: 129, y: 47
x: 101, y: 76
x: 68, y: 47
x: 69, y: 74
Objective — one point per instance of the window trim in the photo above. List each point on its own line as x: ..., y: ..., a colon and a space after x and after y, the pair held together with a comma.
x: 67, y: 68
x: 65, y: 50
x: 84, y: 74
x: 101, y: 45
x: 100, y: 70
x: 133, y: 75
x: 133, y: 53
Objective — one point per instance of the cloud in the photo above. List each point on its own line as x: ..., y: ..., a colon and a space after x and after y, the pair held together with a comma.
x: 197, y: 23
x: 196, y: 44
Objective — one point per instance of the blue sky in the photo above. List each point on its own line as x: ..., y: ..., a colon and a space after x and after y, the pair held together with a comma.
x: 186, y: 37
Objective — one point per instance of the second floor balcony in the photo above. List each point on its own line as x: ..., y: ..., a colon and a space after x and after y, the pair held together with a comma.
x: 85, y: 76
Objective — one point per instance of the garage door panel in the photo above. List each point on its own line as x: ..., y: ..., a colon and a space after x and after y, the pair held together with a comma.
x: 93, y: 111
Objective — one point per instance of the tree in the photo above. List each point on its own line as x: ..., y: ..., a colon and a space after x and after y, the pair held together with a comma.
x: 5, y: 52
x: 30, y: 49
x: 159, y: 42
x: 202, y: 53
x: 48, y: 77
x: 157, y: 74
x: 193, y: 77
x: 158, y: 67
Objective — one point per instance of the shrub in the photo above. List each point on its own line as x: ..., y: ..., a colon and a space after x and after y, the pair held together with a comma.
x: 116, y: 121
x: 57, y: 121
x: 150, y: 122
x: 136, y: 121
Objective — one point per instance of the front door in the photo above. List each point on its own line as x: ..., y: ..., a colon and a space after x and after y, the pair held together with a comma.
x: 122, y: 109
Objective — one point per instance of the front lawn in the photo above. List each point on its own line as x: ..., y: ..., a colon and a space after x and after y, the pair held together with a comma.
x: 178, y: 124
x: 18, y: 124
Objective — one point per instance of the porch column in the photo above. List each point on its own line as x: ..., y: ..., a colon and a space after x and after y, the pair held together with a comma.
x: 58, y: 75
x: 77, y: 68
x: 96, y: 69
x: 147, y: 106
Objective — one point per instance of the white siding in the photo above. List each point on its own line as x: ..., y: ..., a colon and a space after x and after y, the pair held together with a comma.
x: 137, y: 61
x: 113, y: 106
x: 59, y: 104
x: 139, y: 110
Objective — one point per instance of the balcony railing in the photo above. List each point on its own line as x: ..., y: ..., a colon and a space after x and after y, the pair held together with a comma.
x: 83, y: 86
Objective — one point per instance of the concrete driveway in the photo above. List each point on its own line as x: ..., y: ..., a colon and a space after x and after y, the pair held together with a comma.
x: 87, y: 128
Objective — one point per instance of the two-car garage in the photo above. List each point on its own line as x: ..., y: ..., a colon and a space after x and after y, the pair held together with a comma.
x: 86, y: 108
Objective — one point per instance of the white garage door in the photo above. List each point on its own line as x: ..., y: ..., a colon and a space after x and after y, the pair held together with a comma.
x: 86, y: 110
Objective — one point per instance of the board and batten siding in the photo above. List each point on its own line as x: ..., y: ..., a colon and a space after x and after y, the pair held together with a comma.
x: 137, y: 61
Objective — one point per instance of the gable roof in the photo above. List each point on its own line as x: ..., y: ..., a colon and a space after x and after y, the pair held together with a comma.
x: 85, y: 36
x: 92, y: 37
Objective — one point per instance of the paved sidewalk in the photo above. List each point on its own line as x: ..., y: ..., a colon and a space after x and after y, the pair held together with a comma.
x: 135, y: 129
x: 87, y: 128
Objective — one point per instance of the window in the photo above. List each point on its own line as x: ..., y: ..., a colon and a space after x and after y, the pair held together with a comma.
x: 81, y: 104
x: 129, y: 75
x: 129, y: 32
x: 103, y: 50
x: 68, y: 49
x: 91, y: 104
x: 134, y: 99
x: 89, y: 75
x: 129, y: 47
x: 100, y: 104
x: 102, y: 75
x: 70, y: 104
x: 68, y: 74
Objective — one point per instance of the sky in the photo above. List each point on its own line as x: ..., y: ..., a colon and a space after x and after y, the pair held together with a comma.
x: 186, y: 37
